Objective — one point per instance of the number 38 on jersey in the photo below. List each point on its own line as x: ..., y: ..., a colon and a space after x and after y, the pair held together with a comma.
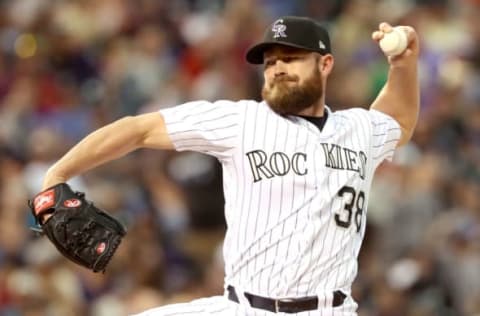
x: 353, y: 208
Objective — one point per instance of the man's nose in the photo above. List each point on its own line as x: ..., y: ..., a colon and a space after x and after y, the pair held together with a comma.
x: 280, y: 69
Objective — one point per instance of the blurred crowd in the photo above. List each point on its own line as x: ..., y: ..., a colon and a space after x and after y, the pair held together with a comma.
x: 69, y: 67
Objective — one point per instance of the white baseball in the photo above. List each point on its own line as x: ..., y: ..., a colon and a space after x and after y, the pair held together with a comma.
x: 394, y: 43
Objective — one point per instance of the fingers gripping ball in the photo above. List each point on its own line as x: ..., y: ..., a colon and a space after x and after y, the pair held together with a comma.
x: 82, y: 232
x: 394, y: 43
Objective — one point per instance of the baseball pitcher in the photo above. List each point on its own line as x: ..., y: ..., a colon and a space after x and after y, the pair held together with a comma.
x: 297, y: 174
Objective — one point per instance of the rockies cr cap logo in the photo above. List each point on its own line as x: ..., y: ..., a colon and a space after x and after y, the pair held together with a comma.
x: 278, y: 28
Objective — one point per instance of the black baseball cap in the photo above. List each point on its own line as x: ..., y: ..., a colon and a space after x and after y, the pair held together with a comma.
x: 293, y: 31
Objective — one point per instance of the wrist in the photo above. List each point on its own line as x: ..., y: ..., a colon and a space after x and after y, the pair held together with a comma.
x: 403, y: 65
x: 52, y: 177
x: 408, y: 61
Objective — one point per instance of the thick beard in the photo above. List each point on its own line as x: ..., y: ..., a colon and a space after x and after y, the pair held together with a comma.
x: 292, y: 100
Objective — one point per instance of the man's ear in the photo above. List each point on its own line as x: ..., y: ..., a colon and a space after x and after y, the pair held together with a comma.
x: 325, y: 64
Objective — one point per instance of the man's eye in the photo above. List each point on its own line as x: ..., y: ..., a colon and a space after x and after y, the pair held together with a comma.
x: 289, y: 59
x: 269, y: 63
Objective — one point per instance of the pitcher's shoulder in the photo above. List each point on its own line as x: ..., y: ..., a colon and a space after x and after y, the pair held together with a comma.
x: 353, y: 111
x: 242, y: 102
x: 350, y: 114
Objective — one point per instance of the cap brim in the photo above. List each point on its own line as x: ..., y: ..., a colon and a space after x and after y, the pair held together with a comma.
x: 255, y: 54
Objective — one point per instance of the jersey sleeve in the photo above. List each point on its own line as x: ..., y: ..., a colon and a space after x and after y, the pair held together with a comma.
x: 212, y: 128
x: 385, y: 134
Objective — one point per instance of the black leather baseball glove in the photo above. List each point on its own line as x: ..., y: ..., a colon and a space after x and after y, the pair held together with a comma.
x: 79, y: 230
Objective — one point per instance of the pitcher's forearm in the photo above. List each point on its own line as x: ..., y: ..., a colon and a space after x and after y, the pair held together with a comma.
x: 107, y: 143
x: 402, y: 85
x: 400, y: 97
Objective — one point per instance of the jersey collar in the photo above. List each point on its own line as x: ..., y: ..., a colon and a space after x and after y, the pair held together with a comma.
x: 329, y: 125
x: 319, y: 122
x: 324, y: 124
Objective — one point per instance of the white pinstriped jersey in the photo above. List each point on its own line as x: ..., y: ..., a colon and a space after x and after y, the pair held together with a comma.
x: 295, y: 195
